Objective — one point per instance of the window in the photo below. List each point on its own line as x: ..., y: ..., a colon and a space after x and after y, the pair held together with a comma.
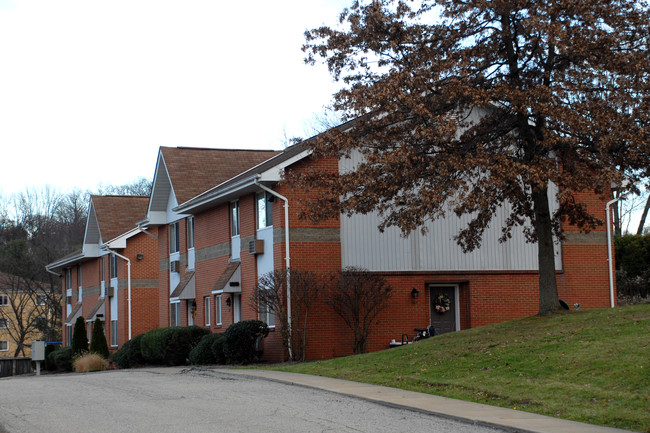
x: 190, y: 232
x: 206, y: 304
x: 266, y: 314
x: 4, y: 300
x: 264, y: 205
x: 101, y: 269
x: 113, y: 266
x: 4, y: 345
x: 68, y: 278
x: 3, y: 324
x: 41, y: 299
x: 218, y: 309
x: 68, y: 334
x: 79, y: 278
x: 113, y: 332
x: 175, y: 314
x: 174, y: 238
x: 234, y: 218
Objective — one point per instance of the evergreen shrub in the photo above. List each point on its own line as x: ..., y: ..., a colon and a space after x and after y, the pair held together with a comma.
x: 208, y: 351
x: 62, y: 358
x: 98, y: 342
x: 239, y: 341
x: 79, y: 338
x: 129, y: 354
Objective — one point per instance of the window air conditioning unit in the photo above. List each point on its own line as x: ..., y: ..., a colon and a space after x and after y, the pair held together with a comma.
x: 256, y: 246
x: 175, y: 266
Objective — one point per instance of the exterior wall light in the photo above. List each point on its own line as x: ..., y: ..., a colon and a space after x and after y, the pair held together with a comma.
x: 415, y: 293
x: 228, y: 301
x: 140, y: 256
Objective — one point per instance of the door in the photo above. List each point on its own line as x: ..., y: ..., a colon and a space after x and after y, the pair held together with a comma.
x: 444, y: 308
x: 236, y: 306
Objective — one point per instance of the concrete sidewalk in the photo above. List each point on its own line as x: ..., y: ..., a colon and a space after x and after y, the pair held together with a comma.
x: 476, y: 413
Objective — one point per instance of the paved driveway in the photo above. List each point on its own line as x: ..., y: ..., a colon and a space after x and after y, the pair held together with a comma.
x: 191, y: 400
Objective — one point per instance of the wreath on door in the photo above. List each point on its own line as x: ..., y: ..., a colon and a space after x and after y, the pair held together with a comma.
x: 442, y: 303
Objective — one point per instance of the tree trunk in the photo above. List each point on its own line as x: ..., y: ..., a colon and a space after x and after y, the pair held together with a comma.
x: 548, y: 296
x: 639, y: 231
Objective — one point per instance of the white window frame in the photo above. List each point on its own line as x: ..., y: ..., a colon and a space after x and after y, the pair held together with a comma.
x: 4, y: 323
x: 207, y: 308
x: 175, y: 313
x: 218, y: 310
x: 235, y: 218
x: 190, y: 232
x: 68, y: 334
x: 4, y: 300
x: 114, y: 342
x: 4, y: 345
x: 266, y: 315
x: 41, y: 300
x: 174, y: 238
x: 68, y: 278
x: 264, y: 209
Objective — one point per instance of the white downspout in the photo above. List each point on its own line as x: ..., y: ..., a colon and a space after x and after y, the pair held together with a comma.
x: 287, y: 258
x: 128, y: 283
x: 609, y: 250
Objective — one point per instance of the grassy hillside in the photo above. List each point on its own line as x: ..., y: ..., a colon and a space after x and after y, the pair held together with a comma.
x: 589, y: 366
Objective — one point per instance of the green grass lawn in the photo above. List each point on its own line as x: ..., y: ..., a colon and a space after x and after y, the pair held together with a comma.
x: 590, y: 366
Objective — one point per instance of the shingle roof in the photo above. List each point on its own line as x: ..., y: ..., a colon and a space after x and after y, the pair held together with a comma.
x: 117, y: 215
x: 195, y: 170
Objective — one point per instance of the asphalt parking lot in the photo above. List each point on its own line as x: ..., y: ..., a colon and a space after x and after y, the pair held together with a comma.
x: 195, y: 400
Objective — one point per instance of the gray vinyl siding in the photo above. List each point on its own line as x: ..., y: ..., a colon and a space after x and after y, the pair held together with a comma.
x: 362, y: 245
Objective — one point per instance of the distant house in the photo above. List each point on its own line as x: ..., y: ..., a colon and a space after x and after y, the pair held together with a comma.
x: 22, y: 306
x: 114, y: 276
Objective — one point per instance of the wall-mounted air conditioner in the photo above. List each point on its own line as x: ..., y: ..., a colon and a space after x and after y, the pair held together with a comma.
x: 256, y: 246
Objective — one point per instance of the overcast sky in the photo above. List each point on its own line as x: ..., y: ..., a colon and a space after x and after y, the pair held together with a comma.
x: 90, y: 89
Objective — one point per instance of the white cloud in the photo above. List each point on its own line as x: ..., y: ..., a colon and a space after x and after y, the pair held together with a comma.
x: 90, y: 89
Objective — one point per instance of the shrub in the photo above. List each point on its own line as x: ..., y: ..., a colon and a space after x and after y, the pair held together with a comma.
x: 239, y: 341
x: 79, y: 339
x: 62, y: 358
x: 49, y: 364
x: 170, y: 346
x: 129, y: 354
x: 208, y: 351
x: 89, y: 362
x: 98, y: 342
x: 632, y: 263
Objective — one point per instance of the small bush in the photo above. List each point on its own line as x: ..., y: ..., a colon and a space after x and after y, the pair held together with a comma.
x: 129, y: 354
x: 208, y: 351
x: 171, y: 346
x: 89, y: 362
x: 98, y: 342
x: 49, y: 364
x: 62, y: 358
x: 239, y: 341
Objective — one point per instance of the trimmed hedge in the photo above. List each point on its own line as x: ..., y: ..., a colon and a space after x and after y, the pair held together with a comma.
x: 49, y: 361
x: 62, y: 358
x: 129, y: 354
x: 209, y: 351
x: 239, y: 341
x: 170, y: 346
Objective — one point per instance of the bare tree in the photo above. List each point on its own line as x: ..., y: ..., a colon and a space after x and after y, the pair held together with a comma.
x: 358, y: 296
x: 270, y: 297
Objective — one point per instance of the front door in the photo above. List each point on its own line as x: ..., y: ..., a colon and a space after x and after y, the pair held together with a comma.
x: 236, y: 307
x: 443, y: 308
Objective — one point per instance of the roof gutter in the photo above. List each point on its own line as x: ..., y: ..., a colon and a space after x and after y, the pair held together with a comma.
x: 287, y: 257
x: 216, y: 194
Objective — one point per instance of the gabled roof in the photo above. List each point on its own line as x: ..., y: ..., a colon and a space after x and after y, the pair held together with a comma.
x: 195, y: 170
x: 117, y: 215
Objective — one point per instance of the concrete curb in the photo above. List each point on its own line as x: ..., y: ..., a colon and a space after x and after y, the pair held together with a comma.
x: 473, y: 413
